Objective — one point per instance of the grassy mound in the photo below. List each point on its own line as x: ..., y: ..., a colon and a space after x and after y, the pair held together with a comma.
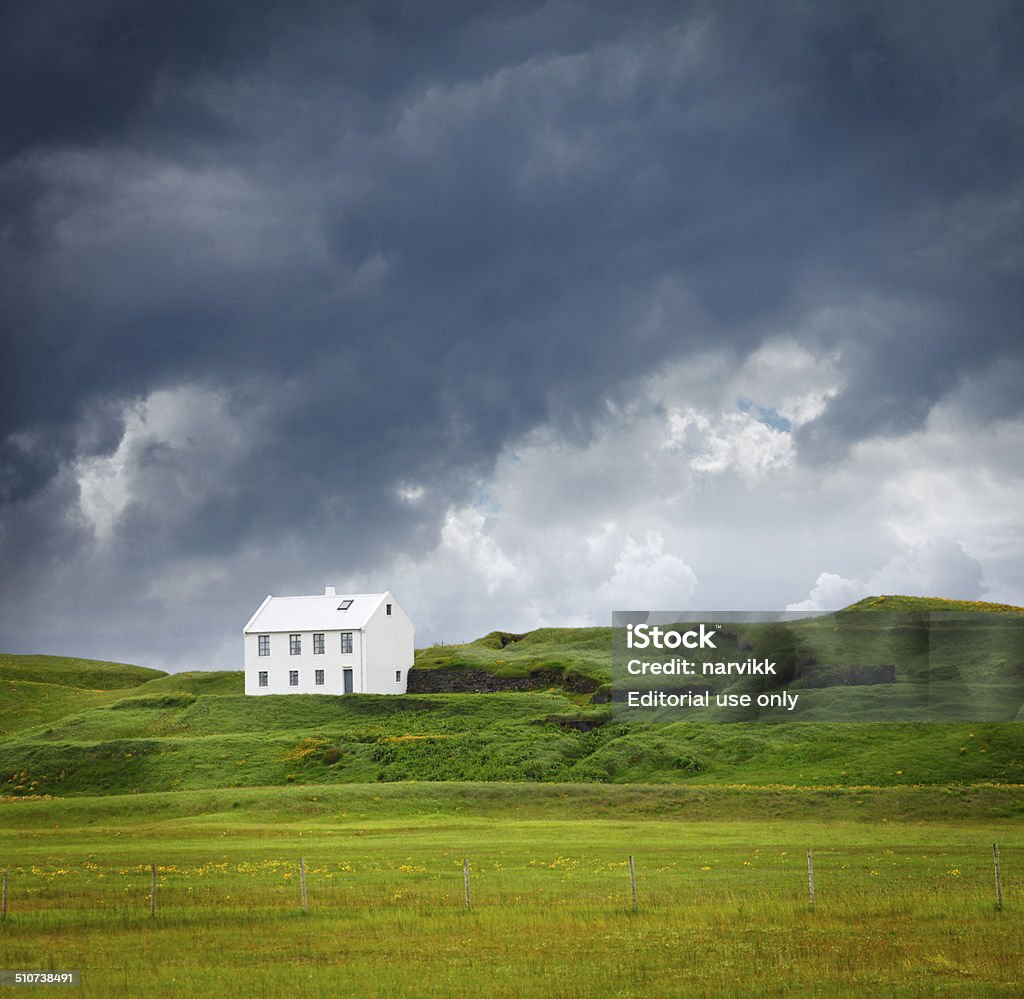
x: 895, y: 602
x: 569, y: 653
x: 79, y: 727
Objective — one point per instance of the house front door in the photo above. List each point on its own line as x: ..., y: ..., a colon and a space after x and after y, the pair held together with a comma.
x: 347, y: 677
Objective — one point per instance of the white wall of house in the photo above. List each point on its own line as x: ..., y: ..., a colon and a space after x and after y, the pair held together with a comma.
x: 389, y: 649
x: 381, y: 654
x: 280, y: 663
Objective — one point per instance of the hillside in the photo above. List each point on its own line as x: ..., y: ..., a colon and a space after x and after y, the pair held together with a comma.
x: 578, y: 659
x: 888, y: 660
x: 897, y: 603
x: 81, y: 727
x: 40, y: 689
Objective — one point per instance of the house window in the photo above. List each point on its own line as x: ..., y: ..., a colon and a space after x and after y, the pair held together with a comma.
x: 389, y: 610
x: 293, y: 678
x: 319, y: 677
x: 263, y: 677
x: 398, y: 676
x: 318, y: 644
x: 264, y: 642
x: 344, y: 605
x: 295, y: 645
x: 346, y: 643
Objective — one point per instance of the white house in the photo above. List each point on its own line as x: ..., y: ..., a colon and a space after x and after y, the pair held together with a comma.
x: 358, y: 643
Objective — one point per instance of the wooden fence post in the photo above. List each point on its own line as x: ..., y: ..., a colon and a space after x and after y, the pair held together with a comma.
x: 632, y: 880
x: 465, y: 878
x: 302, y: 882
x: 810, y: 878
x: 999, y: 877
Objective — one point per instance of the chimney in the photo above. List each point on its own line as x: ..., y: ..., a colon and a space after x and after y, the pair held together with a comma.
x: 329, y: 591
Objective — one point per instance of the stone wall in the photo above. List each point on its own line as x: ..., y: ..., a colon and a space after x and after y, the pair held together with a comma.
x: 477, y: 681
x: 845, y: 676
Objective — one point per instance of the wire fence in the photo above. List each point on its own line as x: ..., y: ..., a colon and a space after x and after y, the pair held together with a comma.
x: 818, y: 879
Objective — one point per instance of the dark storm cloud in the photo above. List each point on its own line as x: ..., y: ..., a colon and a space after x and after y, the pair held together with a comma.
x: 90, y: 73
x: 395, y: 236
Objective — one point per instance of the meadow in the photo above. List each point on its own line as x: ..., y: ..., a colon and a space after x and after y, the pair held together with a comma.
x: 904, y: 900
x: 108, y: 771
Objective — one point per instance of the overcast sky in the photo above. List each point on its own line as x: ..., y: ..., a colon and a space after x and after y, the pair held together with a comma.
x: 524, y: 311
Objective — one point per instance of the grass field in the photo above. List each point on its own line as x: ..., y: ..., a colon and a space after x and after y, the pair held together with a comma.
x: 903, y: 876
x: 107, y: 769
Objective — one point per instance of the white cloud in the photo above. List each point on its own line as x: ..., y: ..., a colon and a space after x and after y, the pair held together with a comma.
x: 179, y: 444
x: 832, y: 592
x: 785, y: 377
x: 678, y: 499
x: 411, y: 494
x: 746, y: 425
x: 744, y: 444
x: 646, y: 576
x: 937, y: 568
x: 468, y: 547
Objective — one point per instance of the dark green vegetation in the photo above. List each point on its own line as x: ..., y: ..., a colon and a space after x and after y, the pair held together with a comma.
x: 870, y: 663
x: 580, y: 657
x: 74, y: 727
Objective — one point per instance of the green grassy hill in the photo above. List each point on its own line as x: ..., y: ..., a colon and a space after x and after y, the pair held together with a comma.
x: 895, y: 602
x: 82, y: 727
x: 38, y: 690
x: 80, y: 674
x: 579, y: 658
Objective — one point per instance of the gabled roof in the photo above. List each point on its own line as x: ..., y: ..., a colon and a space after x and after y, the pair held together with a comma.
x: 319, y: 613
